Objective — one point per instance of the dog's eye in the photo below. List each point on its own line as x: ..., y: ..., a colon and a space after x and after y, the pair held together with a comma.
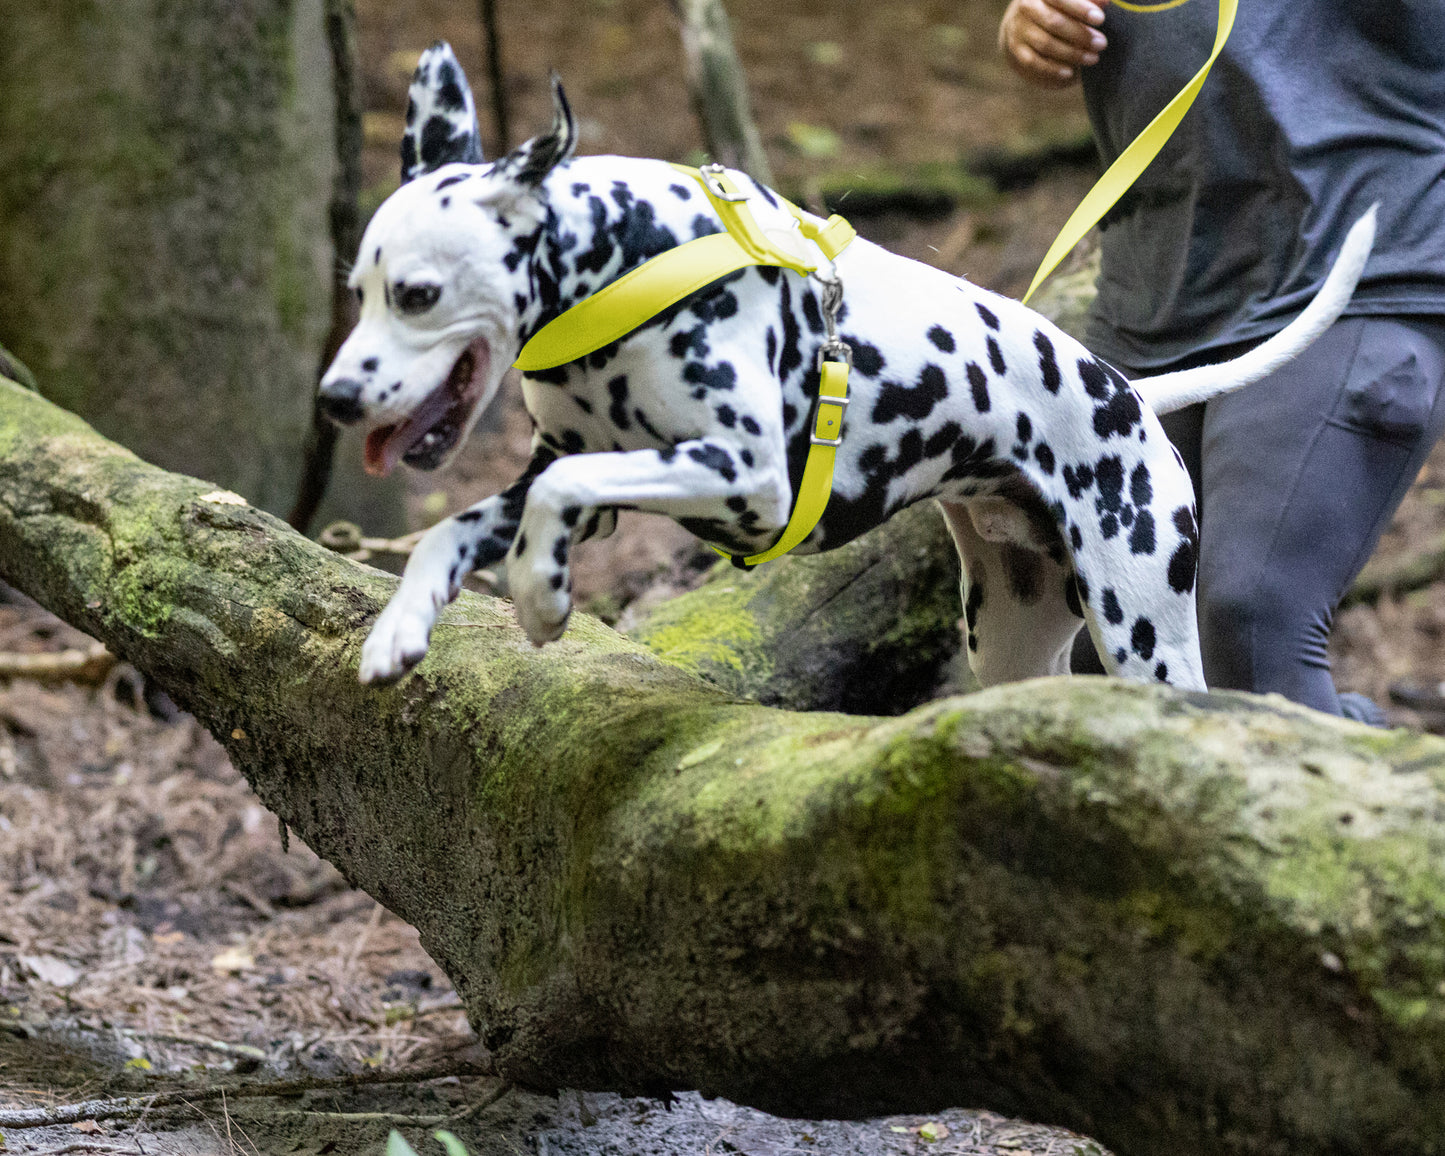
x: 417, y: 298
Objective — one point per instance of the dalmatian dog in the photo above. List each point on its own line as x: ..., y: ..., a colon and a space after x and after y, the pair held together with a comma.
x: 1066, y: 500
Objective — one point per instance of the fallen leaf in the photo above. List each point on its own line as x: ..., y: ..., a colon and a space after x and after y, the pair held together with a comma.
x: 933, y: 1131
x: 89, y: 1127
x: 140, y: 1064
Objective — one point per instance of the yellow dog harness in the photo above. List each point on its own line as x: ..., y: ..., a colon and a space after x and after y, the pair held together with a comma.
x: 617, y: 309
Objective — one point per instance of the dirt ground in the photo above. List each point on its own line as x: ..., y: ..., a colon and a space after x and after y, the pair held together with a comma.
x: 156, y: 931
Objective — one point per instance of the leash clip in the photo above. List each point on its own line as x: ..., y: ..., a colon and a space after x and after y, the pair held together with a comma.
x: 834, y: 348
x: 712, y: 176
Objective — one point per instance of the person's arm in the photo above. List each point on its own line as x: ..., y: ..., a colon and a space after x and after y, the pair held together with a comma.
x: 1048, y: 41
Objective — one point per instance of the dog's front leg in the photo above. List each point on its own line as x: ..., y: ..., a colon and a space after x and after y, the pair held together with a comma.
x: 705, y: 479
x: 450, y: 550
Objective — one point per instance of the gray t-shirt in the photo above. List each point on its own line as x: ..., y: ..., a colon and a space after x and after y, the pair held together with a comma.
x: 1315, y: 109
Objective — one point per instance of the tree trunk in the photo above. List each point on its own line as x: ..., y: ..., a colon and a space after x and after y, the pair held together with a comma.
x: 1179, y: 922
x: 719, y: 88
x: 165, y: 256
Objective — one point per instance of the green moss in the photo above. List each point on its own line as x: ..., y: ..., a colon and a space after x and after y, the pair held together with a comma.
x: 713, y: 630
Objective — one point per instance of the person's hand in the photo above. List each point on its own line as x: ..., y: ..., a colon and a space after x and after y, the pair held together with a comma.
x: 1048, y: 41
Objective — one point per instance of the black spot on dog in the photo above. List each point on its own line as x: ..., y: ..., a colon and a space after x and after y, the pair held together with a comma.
x: 995, y: 358
x: 1118, y: 416
x: 811, y: 313
x: 915, y: 403
x: 1161, y: 673
x: 681, y: 192
x: 978, y: 383
x: 971, y: 607
x: 720, y: 376
x: 1141, y: 537
x: 751, y: 426
x: 690, y: 343
x: 867, y: 359
x: 1184, y: 562
x: 449, y: 92
x: 573, y: 442
x: 769, y: 274
x: 556, y: 581
x: 1045, y: 457
x: 1142, y: 639
x: 737, y: 504
x: 1048, y: 366
x: 1021, y: 568
x: 1078, y: 479
x: 942, y: 338
x: 1096, y: 381
x: 559, y: 550
x: 1141, y: 491
x: 371, y: 364
x: 571, y: 515
x: 988, y: 316
x: 792, y: 355
x: 454, y: 179
x: 583, y: 404
x: 747, y: 457
x: 436, y: 141
x: 726, y: 416
x: 1025, y: 429
x: 1076, y: 537
x: 716, y: 459
x: 939, y: 442
x: 790, y: 415
x: 1121, y: 656
x: 580, y: 187
x: 1113, y: 612
x: 772, y: 348
x: 666, y: 453
x: 521, y: 544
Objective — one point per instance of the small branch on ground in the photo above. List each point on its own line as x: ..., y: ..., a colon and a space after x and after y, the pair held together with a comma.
x: 127, y: 1106
x: 88, y: 666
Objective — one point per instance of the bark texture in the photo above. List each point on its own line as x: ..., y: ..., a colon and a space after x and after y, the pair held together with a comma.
x: 1180, y: 923
x: 165, y: 258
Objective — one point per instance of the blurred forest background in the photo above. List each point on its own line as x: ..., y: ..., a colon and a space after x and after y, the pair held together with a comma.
x: 171, y: 179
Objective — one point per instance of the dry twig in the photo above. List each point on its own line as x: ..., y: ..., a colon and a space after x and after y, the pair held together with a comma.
x: 127, y: 1106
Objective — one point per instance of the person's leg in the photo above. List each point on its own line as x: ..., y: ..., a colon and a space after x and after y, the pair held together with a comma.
x: 1301, y: 473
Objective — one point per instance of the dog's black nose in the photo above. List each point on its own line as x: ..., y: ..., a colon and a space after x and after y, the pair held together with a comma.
x: 341, y: 401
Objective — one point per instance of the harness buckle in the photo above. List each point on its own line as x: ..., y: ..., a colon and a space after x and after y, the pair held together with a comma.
x: 712, y: 176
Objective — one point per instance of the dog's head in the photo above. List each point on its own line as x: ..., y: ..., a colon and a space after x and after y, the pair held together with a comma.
x: 438, y: 294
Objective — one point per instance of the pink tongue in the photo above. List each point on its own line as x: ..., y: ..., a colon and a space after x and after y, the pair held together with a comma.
x: 378, y: 459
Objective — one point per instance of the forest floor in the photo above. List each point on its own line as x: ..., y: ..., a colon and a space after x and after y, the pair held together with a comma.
x: 157, y: 932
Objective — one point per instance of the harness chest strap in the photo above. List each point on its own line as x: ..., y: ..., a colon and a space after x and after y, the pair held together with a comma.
x: 617, y: 309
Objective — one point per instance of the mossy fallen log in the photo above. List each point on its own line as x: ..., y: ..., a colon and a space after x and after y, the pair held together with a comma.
x: 1179, y: 923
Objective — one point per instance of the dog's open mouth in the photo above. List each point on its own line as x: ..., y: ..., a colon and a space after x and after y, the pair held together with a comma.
x: 428, y: 435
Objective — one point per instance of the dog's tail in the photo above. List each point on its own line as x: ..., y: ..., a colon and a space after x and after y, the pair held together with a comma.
x: 1171, y: 391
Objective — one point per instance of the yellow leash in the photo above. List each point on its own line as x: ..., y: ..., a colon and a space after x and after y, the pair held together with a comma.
x: 1134, y: 159
x: 617, y: 309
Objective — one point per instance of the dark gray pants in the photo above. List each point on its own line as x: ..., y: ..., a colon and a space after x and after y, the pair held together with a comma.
x: 1296, y: 477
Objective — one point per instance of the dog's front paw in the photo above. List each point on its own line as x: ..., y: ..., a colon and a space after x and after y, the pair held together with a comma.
x: 396, y: 643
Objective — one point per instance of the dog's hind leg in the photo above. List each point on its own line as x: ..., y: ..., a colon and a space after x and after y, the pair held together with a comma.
x: 1020, y: 611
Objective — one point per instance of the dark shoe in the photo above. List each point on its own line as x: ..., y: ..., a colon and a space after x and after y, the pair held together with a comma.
x: 1358, y: 708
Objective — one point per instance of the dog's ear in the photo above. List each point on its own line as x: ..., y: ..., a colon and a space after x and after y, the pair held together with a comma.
x: 441, y: 117
x: 529, y: 163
